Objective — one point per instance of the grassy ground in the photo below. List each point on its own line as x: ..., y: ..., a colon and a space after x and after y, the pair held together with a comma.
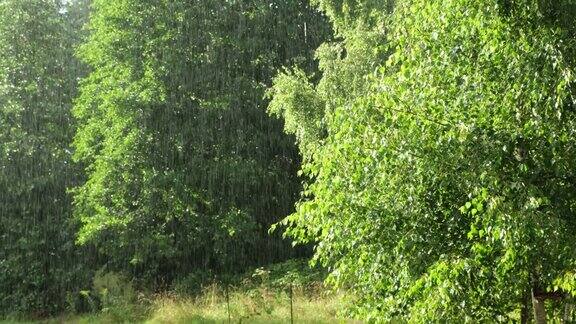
x: 261, y: 296
x: 255, y: 306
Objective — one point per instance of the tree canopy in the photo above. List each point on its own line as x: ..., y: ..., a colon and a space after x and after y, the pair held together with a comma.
x: 37, y: 85
x: 184, y: 167
x: 443, y: 187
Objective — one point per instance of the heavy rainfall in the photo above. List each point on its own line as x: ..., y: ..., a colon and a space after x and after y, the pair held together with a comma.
x: 287, y: 161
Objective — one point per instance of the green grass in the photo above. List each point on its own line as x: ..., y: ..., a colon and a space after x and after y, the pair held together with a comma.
x: 260, y: 305
x: 260, y: 296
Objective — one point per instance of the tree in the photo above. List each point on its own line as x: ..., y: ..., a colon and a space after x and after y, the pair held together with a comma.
x: 38, y: 258
x: 185, y: 170
x: 445, y: 190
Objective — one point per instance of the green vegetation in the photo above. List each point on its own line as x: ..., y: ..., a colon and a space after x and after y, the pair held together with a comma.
x: 140, y: 145
x: 39, y: 262
x: 260, y: 296
x: 154, y: 152
x: 442, y: 187
x: 185, y: 171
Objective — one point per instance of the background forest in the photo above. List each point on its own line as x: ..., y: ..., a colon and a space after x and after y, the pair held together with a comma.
x: 158, y: 155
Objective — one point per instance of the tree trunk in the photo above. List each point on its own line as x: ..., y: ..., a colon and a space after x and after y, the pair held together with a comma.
x: 525, y: 310
x: 539, y: 309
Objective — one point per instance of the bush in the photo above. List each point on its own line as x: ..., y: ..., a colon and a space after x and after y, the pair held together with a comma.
x: 116, y: 297
x: 192, y: 283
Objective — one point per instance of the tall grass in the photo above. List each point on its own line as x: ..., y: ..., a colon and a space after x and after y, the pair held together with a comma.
x: 259, y: 305
x: 275, y: 294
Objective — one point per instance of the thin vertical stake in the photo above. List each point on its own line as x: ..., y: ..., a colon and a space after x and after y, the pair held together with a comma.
x: 291, y: 306
x: 228, y: 305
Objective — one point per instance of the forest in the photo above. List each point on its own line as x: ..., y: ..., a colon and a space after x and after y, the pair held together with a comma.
x: 287, y: 161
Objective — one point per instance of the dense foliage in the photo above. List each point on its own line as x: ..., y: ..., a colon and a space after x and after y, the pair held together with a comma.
x: 38, y: 258
x: 185, y: 170
x: 434, y: 143
x: 444, y: 187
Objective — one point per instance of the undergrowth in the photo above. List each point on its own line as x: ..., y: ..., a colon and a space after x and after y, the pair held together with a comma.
x: 262, y: 295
